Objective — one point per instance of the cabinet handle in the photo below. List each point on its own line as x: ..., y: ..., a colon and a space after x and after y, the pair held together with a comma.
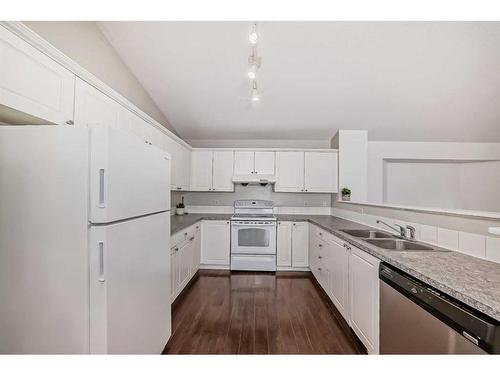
x: 176, y: 249
x: 69, y: 122
x: 101, y: 188
x: 320, y: 233
x: 320, y: 257
x: 101, y: 262
x: 319, y: 269
x: 320, y: 245
x: 192, y: 238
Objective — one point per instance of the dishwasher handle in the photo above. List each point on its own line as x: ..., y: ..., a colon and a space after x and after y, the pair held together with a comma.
x: 470, y: 323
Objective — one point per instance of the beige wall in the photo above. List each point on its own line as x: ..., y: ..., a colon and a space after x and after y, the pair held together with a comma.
x: 83, y: 42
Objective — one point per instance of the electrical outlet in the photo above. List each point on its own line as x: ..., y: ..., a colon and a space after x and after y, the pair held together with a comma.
x: 216, y: 201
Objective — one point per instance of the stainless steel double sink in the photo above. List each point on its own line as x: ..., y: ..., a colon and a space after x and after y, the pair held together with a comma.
x: 388, y: 241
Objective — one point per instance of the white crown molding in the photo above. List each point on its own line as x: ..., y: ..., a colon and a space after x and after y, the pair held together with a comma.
x: 28, y: 35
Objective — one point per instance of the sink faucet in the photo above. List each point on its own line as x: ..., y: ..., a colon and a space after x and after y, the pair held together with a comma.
x: 403, y: 232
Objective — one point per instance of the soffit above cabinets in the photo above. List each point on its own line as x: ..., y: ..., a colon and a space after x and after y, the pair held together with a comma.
x: 418, y: 81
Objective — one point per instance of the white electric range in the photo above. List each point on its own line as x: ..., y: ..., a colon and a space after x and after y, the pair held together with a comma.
x: 253, y: 236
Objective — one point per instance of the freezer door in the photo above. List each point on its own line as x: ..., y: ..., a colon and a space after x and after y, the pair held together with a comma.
x: 130, y: 286
x: 43, y: 240
x: 128, y: 177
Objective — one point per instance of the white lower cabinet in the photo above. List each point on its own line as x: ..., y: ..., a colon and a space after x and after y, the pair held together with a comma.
x: 364, y: 298
x: 185, y: 255
x: 292, y: 245
x: 284, y: 244
x: 350, y: 278
x: 215, y: 245
x: 300, y: 244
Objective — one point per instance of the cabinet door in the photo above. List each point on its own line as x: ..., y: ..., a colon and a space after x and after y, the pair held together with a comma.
x: 184, y: 168
x: 185, y: 256
x: 320, y: 174
x: 364, y: 298
x: 92, y: 107
x: 174, y: 273
x: 173, y: 148
x: 201, y: 171
x: 300, y: 244
x: 195, y: 265
x: 284, y: 243
x: 215, y: 242
x: 264, y: 162
x: 223, y: 163
x: 243, y: 162
x: 33, y: 83
x: 338, y: 264
x: 289, y: 171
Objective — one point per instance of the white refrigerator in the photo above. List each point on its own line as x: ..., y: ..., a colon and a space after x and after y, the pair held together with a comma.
x: 84, y: 241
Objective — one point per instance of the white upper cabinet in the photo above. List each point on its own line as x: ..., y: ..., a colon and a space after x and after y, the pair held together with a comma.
x: 320, y: 172
x: 222, y: 171
x: 201, y: 170
x: 181, y: 167
x: 33, y: 83
x: 92, y: 107
x: 254, y: 162
x: 310, y: 171
x: 243, y: 162
x: 212, y: 171
x: 264, y: 162
x: 289, y: 171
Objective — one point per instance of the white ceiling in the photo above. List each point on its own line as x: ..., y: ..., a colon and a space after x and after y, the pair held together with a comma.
x: 419, y: 81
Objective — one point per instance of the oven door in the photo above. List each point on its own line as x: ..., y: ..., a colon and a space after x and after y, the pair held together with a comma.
x: 253, y: 238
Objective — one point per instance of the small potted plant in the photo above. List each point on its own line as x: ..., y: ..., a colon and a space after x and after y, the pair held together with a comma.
x: 180, y: 208
x: 346, y: 194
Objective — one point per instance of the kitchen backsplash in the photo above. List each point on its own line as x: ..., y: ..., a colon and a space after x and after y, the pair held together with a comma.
x: 252, y: 192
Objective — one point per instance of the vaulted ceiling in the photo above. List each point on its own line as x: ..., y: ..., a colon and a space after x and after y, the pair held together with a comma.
x: 418, y: 81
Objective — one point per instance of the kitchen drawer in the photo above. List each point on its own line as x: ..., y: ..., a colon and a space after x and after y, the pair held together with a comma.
x: 180, y: 237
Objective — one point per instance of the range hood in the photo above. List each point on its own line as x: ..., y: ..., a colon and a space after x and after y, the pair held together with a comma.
x: 254, y: 179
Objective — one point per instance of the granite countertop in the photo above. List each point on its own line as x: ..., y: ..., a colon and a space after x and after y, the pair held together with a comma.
x: 178, y: 223
x: 474, y: 281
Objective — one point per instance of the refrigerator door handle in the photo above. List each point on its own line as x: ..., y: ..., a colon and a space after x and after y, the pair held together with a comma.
x: 101, y: 262
x: 101, y: 188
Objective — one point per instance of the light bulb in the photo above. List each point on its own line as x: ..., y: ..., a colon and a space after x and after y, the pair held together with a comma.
x: 252, y: 72
x: 253, y: 37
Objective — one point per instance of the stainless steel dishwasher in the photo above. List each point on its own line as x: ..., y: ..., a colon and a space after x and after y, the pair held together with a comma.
x: 417, y: 319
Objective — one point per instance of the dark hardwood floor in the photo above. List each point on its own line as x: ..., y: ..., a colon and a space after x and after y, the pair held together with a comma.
x: 257, y: 313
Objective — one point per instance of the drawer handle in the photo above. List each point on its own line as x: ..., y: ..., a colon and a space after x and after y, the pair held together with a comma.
x: 320, y: 245
x: 320, y: 233
x: 320, y: 257
x: 176, y: 249
x: 319, y: 268
x: 192, y: 238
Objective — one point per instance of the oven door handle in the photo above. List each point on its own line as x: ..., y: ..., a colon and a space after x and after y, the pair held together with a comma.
x: 253, y: 225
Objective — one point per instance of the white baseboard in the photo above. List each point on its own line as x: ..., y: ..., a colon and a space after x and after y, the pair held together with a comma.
x: 213, y: 267
x: 295, y: 269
